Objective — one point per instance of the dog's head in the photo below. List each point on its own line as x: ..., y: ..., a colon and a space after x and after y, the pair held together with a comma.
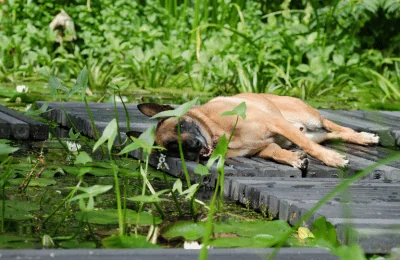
x: 196, y: 142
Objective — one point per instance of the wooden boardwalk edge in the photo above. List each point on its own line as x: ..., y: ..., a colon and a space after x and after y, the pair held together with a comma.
x: 15, y: 125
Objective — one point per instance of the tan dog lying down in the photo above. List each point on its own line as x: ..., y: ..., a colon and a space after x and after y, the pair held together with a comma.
x: 273, y: 123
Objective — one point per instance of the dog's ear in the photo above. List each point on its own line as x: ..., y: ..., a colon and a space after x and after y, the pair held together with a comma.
x: 135, y: 134
x: 151, y: 109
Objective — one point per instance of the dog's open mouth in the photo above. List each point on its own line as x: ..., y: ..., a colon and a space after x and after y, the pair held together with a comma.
x: 206, y: 151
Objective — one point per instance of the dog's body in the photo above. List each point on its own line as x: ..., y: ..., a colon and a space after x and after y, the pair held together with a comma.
x: 273, y: 123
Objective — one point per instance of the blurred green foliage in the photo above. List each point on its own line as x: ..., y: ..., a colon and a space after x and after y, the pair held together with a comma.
x: 338, y: 50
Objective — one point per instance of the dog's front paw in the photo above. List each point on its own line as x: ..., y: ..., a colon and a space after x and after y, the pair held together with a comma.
x: 334, y: 159
x: 299, y: 160
x: 368, y: 138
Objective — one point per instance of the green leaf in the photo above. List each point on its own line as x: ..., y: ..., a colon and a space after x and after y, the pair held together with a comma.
x: 83, y: 158
x: 262, y: 240
x: 88, y: 207
x: 109, y: 134
x: 202, y: 170
x: 353, y: 252
x: 188, y: 230
x: 72, y: 135
x: 54, y: 85
x: 15, y: 242
x: 177, y: 186
x: 324, y: 231
x: 84, y: 170
x: 6, y: 239
x: 191, y: 191
x: 127, y: 242
x: 7, y: 149
x: 19, y: 210
x: 275, y: 228
x: 47, y: 241
x: 239, y: 110
x: 81, y: 83
x: 41, y: 110
x: 110, y: 216
x: 219, y: 152
x: 77, y: 244
x: 354, y: 59
x: 303, y: 68
x: 178, y: 112
x: 91, y: 191
x: 338, y: 59
x: 42, y: 182
x: 311, y: 37
x: 145, y: 142
x: 150, y: 198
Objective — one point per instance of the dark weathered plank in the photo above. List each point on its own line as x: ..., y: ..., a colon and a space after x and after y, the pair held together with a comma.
x: 5, y: 129
x: 19, y: 129
x: 371, y: 116
x: 36, y: 130
x: 373, y: 239
x: 359, y: 124
x: 290, y: 199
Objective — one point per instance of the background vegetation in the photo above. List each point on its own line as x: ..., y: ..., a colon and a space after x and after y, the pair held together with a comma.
x: 344, y: 53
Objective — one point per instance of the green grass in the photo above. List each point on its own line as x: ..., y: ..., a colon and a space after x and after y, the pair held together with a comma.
x: 306, y: 49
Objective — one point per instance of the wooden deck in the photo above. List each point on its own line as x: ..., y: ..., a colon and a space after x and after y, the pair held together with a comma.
x: 371, y: 207
x: 15, y: 125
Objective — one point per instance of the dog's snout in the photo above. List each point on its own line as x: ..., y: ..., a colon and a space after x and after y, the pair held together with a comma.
x: 195, y: 143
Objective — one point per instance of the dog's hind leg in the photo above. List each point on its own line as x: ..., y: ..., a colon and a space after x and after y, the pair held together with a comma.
x: 347, y: 134
x: 295, y: 158
x: 284, y: 128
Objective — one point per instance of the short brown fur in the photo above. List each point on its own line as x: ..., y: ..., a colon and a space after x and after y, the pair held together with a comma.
x: 273, y: 123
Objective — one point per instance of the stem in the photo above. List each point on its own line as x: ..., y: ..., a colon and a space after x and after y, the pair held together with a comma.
x: 116, y: 118
x: 3, y: 209
x: 204, y: 251
x: 118, y: 195
x: 96, y: 133
x: 126, y: 113
x: 3, y: 180
x: 73, y: 127
x: 70, y: 195
x: 178, y: 208
x: 185, y: 171
x: 152, y: 191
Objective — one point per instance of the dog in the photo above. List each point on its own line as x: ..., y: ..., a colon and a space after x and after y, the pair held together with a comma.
x: 272, y: 125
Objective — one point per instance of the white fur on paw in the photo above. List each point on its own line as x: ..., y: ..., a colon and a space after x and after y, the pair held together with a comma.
x: 369, y: 138
x: 335, y: 159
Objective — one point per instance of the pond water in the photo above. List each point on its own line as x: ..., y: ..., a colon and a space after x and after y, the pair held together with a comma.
x: 37, y: 208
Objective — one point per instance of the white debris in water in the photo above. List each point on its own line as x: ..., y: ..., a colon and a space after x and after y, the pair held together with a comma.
x: 72, y: 146
x: 192, y: 245
x: 22, y: 89
x: 119, y: 100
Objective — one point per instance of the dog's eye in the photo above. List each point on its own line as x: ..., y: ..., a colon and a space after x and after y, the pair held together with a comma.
x: 182, y: 126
